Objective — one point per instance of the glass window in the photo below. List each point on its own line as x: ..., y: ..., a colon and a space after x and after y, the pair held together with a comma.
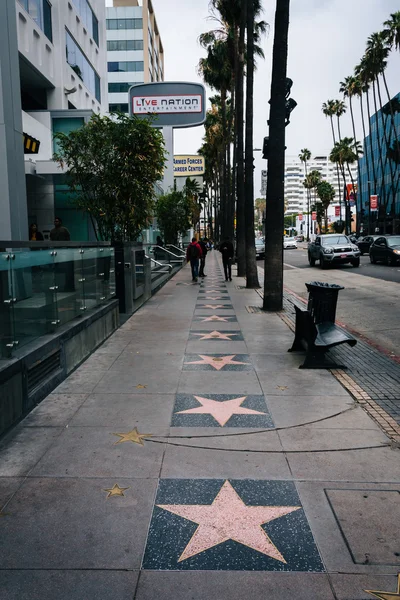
x: 112, y: 24
x: 124, y: 23
x: 118, y: 108
x: 40, y: 11
x: 47, y: 24
x: 115, y: 45
x: 394, y: 241
x: 120, y: 88
x: 124, y: 66
x: 88, y: 17
x: 95, y: 29
x: 82, y: 67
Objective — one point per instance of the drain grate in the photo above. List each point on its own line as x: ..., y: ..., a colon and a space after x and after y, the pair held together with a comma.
x: 42, y: 370
x: 255, y: 309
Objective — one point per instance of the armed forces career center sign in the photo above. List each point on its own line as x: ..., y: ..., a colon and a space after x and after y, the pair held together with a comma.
x: 188, y: 165
x: 174, y: 104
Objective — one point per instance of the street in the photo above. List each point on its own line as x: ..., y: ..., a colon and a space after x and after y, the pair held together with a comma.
x: 369, y: 304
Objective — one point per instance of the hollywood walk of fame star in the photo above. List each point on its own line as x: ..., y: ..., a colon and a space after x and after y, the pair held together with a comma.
x: 386, y: 595
x: 216, y: 318
x: 217, y: 362
x: 208, y: 291
x: 229, y: 518
x: 221, y: 411
x: 140, y: 386
x: 116, y: 491
x: 213, y: 306
x: 132, y: 436
x: 216, y: 335
x: 282, y: 387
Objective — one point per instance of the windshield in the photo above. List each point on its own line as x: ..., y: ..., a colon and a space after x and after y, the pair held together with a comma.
x: 290, y: 239
x: 339, y: 239
x: 394, y: 241
x: 259, y: 242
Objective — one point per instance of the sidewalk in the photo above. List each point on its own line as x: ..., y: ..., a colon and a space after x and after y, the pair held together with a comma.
x: 190, y: 459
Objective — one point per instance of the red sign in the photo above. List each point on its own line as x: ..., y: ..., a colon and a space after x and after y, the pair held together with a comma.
x: 300, y: 217
x: 351, y: 191
x: 373, y: 200
x: 337, y: 211
x: 314, y: 216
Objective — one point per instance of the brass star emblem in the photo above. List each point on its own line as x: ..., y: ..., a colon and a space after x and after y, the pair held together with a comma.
x: 386, y: 595
x: 141, y: 387
x: 282, y: 387
x: 132, y: 436
x: 116, y: 491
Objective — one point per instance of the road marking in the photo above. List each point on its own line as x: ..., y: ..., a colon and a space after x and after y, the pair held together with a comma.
x: 290, y: 266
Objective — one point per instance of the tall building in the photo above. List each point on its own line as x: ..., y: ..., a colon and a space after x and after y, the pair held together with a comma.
x: 134, y: 50
x: 380, y: 173
x: 296, y: 193
x: 58, y: 80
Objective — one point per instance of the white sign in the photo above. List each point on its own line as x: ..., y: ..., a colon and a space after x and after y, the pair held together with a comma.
x: 188, y: 165
x: 185, y: 103
x: 264, y: 176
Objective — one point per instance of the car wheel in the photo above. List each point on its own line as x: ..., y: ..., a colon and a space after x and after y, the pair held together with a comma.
x: 322, y: 263
x: 392, y: 261
x: 356, y: 262
x: 372, y: 259
x: 311, y: 260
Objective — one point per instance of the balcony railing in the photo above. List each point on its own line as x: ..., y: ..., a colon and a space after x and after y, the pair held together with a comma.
x: 45, y: 285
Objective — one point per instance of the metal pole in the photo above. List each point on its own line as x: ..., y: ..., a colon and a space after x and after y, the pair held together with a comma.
x: 168, y: 180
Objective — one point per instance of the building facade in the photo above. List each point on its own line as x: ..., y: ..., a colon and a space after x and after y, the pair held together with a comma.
x: 380, y: 173
x: 60, y: 73
x: 134, y: 50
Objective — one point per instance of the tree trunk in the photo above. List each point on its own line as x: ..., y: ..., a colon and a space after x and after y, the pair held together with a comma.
x: 231, y: 179
x: 251, y: 260
x: 337, y: 172
x: 367, y: 161
x: 274, y: 223
x: 358, y: 192
x: 240, y: 212
x: 224, y: 196
x: 372, y: 158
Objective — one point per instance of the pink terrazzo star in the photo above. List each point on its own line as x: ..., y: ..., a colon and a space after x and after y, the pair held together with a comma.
x: 218, y: 362
x: 213, y: 306
x: 215, y: 335
x: 229, y: 518
x: 221, y: 411
x: 216, y: 318
x: 213, y: 298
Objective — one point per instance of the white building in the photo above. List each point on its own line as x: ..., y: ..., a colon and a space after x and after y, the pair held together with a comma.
x: 59, y: 58
x: 134, y: 50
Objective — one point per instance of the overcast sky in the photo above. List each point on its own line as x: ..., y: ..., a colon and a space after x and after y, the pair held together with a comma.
x: 326, y: 40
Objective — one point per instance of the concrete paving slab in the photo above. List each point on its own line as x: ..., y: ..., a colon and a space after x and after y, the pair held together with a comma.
x: 196, y: 346
x: 181, y: 462
x: 82, y: 381
x: 94, y: 452
x: 224, y: 325
x: 305, y: 438
x: 228, y: 585
x: 63, y: 585
x: 8, y: 487
x: 289, y: 382
x: 370, y: 524
x: 100, y: 361
x: 196, y: 382
x: 54, y: 411
x: 157, y: 381
x: 278, y: 361
x: 354, y: 586
x: 294, y: 410
x: 144, y: 362
x: 23, y: 447
x: 35, y: 537
x: 115, y: 410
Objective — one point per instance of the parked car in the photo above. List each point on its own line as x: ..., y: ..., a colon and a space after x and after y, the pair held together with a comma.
x: 385, y: 249
x: 333, y: 249
x: 364, y: 243
x: 260, y: 248
x: 289, y: 242
x: 299, y: 238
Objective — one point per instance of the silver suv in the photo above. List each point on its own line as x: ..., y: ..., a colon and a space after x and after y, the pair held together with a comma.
x: 334, y: 248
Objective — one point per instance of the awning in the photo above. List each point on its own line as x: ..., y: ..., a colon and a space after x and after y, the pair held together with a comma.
x: 31, y: 144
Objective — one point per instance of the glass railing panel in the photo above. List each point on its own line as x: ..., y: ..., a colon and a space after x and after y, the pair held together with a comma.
x: 139, y: 262
x: 35, y: 298
x: 7, y: 337
x: 69, y: 283
x: 91, y: 277
x: 109, y: 280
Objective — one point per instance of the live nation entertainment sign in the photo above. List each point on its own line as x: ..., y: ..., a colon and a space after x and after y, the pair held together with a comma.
x: 174, y: 104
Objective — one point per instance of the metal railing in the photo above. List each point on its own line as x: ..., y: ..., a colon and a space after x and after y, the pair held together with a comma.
x: 160, y: 251
x: 155, y: 262
x: 44, y: 285
x: 176, y: 248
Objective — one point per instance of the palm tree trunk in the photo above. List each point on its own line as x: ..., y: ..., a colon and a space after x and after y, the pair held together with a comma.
x: 274, y: 223
x: 337, y: 170
x: 358, y: 193
x: 251, y: 260
x: 366, y: 158
x: 231, y: 178
x: 240, y: 211
x: 308, y: 203
x: 372, y: 155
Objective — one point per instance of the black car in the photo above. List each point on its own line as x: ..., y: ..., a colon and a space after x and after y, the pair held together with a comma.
x: 364, y: 243
x: 385, y: 249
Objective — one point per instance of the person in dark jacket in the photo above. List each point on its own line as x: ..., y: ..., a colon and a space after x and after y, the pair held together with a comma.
x: 227, y: 251
x: 193, y: 255
x: 59, y: 233
x: 34, y: 234
x: 204, y: 249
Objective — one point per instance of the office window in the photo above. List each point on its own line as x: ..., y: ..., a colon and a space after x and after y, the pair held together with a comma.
x: 118, y: 108
x: 121, y: 88
x: 115, y: 45
x: 125, y: 66
x: 82, y: 67
x: 88, y: 18
x: 40, y: 11
x: 124, y: 23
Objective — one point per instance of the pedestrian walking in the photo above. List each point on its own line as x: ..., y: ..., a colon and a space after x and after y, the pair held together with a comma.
x: 193, y: 255
x: 204, y: 250
x: 227, y: 251
x: 34, y: 234
x: 59, y: 233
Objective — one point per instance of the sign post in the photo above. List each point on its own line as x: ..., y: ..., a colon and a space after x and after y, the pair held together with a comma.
x: 175, y: 105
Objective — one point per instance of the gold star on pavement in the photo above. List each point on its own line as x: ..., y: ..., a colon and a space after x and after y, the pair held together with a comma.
x: 116, y: 491
x: 221, y: 411
x: 386, y: 595
x: 229, y: 518
x: 141, y: 387
x: 132, y: 436
x: 282, y: 387
x: 217, y: 362
x: 215, y: 335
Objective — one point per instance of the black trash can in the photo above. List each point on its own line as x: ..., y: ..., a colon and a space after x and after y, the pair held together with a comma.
x: 322, y: 300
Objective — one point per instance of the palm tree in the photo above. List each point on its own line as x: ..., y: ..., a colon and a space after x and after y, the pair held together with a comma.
x: 273, y: 267
x: 339, y: 111
x: 392, y: 30
x: 345, y: 153
x: 326, y: 193
x: 305, y: 156
x: 329, y: 110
